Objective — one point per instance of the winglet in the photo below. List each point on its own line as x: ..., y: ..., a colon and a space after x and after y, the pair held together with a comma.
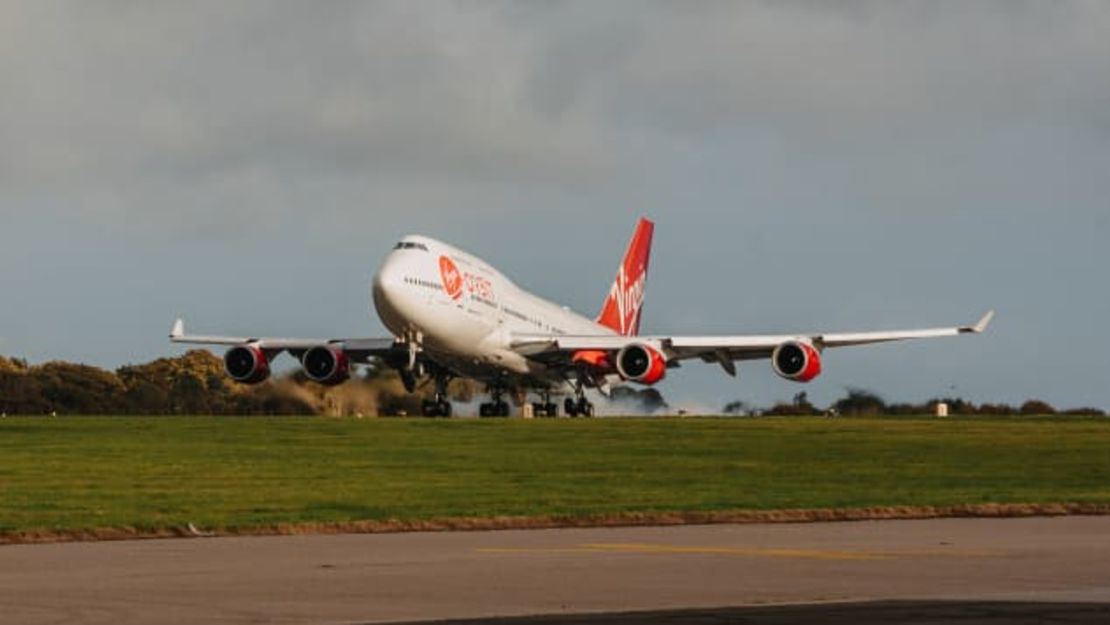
x: 178, y: 330
x: 984, y: 322
x: 981, y: 326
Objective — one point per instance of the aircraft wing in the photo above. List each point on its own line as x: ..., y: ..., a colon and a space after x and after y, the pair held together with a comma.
x: 358, y: 349
x: 723, y: 349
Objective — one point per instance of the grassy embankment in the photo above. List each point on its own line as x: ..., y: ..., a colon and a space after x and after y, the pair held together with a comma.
x: 61, y: 476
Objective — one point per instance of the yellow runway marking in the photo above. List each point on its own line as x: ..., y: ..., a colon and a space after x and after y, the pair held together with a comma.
x: 740, y: 551
x: 745, y: 552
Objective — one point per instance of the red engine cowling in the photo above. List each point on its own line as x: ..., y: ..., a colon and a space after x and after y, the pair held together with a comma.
x: 640, y: 363
x: 796, y: 360
x: 246, y: 364
x: 327, y: 365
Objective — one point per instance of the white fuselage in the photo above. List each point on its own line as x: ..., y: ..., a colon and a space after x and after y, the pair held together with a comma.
x: 463, y: 312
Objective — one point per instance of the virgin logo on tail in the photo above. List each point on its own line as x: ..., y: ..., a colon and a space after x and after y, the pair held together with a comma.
x: 622, y: 307
x: 452, y: 279
x: 629, y: 299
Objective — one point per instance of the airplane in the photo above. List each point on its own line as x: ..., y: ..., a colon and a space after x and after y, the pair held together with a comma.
x: 451, y: 314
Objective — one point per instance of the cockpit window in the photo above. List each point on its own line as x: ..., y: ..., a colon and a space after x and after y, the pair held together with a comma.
x: 410, y: 245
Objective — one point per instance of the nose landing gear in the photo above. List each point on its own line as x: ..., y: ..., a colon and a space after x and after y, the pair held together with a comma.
x: 413, y: 370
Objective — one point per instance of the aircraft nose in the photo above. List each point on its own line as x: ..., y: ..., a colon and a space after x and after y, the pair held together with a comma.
x: 387, y: 281
x: 389, y: 294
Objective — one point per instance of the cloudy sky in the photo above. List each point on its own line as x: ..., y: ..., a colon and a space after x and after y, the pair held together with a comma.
x: 810, y: 166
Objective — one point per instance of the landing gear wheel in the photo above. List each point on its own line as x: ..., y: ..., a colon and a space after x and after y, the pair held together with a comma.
x: 545, y: 407
x: 434, y: 408
x: 584, y: 407
x: 494, y: 409
x: 438, y: 405
x: 570, y: 407
x: 541, y: 409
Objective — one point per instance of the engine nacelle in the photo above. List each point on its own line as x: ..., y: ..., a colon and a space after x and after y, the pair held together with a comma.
x: 246, y: 364
x: 796, y: 360
x: 327, y: 365
x: 640, y: 363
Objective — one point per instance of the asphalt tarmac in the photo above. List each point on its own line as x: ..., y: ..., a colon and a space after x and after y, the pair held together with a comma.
x: 968, y: 571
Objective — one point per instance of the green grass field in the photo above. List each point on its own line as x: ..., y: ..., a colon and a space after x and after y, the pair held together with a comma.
x: 235, y: 473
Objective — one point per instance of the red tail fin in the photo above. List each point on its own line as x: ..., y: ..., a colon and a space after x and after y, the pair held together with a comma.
x: 621, y: 310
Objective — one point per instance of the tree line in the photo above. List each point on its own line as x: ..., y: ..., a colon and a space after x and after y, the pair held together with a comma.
x: 862, y: 402
x: 194, y: 384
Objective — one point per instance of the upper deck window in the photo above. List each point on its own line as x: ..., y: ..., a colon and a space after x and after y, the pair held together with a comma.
x: 410, y: 245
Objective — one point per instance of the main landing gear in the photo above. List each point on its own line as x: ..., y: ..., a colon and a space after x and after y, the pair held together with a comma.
x: 545, y: 407
x: 498, y: 407
x: 578, y: 406
x: 438, y: 406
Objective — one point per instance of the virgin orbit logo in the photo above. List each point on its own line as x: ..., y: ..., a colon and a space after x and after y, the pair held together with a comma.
x: 629, y: 298
x: 452, y: 279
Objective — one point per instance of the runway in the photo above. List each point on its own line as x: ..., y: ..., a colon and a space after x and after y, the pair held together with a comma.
x: 953, y: 570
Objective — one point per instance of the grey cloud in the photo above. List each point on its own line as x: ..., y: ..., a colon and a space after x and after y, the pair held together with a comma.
x: 862, y: 62
x: 121, y: 99
x: 139, y: 106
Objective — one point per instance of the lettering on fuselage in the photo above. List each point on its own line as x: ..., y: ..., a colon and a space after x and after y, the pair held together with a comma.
x: 455, y: 282
x: 477, y: 286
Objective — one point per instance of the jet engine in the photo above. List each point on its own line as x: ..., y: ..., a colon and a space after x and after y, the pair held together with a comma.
x: 641, y: 363
x: 246, y: 364
x: 327, y: 365
x: 796, y: 360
